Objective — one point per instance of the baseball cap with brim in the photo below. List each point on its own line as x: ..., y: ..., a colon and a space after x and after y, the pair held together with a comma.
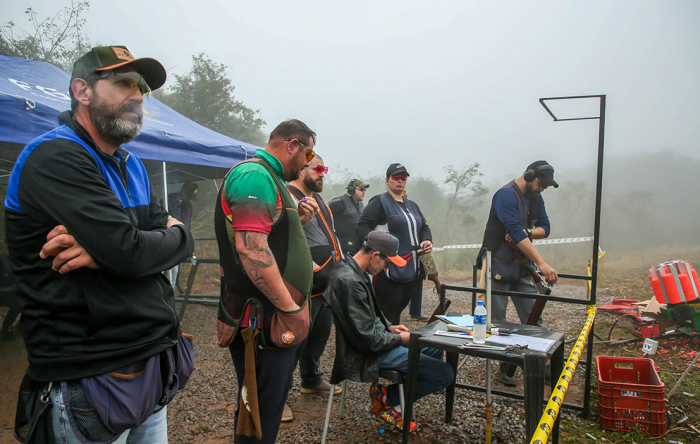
x: 359, y: 184
x: 396, y: 168
x: 545, y: 175
x: 387, y: 245
x: 103, y: 58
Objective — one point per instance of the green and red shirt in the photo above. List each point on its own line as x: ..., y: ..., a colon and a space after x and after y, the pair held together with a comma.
x: 253, y: 202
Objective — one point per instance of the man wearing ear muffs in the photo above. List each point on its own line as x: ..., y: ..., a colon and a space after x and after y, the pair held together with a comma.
x: 346, y: 211
x: 517, y: 217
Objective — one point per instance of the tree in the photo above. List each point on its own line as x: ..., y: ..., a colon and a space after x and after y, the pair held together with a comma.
x: 464, y: 186
x: 205, y: 95
x: 58, y: 40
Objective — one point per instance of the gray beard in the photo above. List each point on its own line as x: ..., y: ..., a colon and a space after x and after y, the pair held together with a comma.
x: 113, y: 129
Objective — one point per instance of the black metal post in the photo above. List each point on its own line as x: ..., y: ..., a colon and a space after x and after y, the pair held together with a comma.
x: 596, y: 248
x: 474, y: 284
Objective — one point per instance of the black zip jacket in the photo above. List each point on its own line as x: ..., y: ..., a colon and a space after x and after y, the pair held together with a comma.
x: 358, y: 342
x: 88, y: 322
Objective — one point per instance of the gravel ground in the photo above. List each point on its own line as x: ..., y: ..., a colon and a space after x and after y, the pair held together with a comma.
x: 203, y: 412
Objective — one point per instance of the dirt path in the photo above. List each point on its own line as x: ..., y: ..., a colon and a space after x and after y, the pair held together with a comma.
x: 13, y: 363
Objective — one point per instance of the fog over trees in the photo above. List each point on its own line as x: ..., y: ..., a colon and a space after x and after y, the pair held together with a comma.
x: 641, y: 207
x: 639, y: 210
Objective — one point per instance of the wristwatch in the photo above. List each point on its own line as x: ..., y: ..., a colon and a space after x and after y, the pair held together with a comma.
x: 529, y: 232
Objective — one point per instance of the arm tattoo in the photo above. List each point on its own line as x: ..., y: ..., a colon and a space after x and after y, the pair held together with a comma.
x: 259, y: 282
x: 259, y: 252
x: 256, y: 260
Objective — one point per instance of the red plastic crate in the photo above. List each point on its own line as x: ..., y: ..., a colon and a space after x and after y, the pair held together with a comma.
x: 630, y: 395
x: 646, y: 330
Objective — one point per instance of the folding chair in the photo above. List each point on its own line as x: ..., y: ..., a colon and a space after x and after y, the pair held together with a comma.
x: 392, y: 376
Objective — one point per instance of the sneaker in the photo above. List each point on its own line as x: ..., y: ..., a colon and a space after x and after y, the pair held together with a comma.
x: 323, y: 388
x: 377, y: 392
x: 420, y: 318
x: 287, y: 414
x: 391, y: 416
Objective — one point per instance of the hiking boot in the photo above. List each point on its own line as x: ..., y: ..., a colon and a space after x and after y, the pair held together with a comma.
x: 420, y: 318
x: 377, y: 392
x: 391, y: 416
x: 287, y: 414
x: 505, y: 379
x: 323, y: 388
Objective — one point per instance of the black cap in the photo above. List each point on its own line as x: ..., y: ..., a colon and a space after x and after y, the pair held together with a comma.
x: 387, y: 245
x: 190, y: 189
x: 102, y: 58
x: 544, y: 172
x: 396, y: 168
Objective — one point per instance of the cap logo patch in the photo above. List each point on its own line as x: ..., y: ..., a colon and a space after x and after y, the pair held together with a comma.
x: 399, y: 166
x: 121, y: 53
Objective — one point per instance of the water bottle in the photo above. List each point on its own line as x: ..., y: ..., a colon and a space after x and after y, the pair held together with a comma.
x: 479, y: 329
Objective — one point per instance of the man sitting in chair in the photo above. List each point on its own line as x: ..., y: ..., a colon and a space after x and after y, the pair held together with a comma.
x: 366, y: 341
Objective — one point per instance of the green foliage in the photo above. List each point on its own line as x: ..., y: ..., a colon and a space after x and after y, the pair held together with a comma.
x: 58, y: 39
x: 205, y: 95
x: 464, y: 188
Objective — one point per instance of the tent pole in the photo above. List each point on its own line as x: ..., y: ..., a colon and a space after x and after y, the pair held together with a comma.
x: 165, y: 188
x: 171, y: 273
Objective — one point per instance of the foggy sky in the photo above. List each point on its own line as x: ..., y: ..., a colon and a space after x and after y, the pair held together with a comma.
x: 435, y: 83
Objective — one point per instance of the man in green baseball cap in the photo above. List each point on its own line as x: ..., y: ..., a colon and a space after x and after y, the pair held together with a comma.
x: 346, y: 211
x: 88, y: 242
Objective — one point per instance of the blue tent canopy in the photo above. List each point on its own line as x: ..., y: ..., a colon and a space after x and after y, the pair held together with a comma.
x: 33, y: 94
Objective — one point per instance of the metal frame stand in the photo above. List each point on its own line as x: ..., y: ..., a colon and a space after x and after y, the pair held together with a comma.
x: 591, y: 298
x: 596, y: 228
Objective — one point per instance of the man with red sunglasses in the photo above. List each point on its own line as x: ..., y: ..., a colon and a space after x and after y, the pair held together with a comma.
x: 403, y: 219
x: 325, y: 252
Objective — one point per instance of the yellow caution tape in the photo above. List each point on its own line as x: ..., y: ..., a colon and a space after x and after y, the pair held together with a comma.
x: 551, y: 411
x: 601, y: 256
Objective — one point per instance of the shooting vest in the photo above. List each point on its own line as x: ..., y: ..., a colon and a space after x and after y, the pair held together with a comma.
x: 495, y: 232
x: 287, y: 243
x: 405, y: 225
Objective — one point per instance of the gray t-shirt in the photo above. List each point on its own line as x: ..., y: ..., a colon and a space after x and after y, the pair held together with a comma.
x: 314, y: 234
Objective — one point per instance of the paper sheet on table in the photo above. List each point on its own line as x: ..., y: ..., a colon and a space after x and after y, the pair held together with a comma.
x: 534, y: 344
x: 462, y: 321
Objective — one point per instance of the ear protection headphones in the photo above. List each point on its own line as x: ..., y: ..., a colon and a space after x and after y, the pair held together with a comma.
x: 351, y: 187
x: 532, y: 173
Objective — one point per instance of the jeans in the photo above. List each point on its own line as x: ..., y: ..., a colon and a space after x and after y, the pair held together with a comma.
x: 310, y: 351
x: 433, y: 373
x: 153, y: 431
x: 414, y: 308
x: 499, y: 304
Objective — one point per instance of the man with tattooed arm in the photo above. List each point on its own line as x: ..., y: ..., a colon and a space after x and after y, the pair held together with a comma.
x: 266, y: 277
